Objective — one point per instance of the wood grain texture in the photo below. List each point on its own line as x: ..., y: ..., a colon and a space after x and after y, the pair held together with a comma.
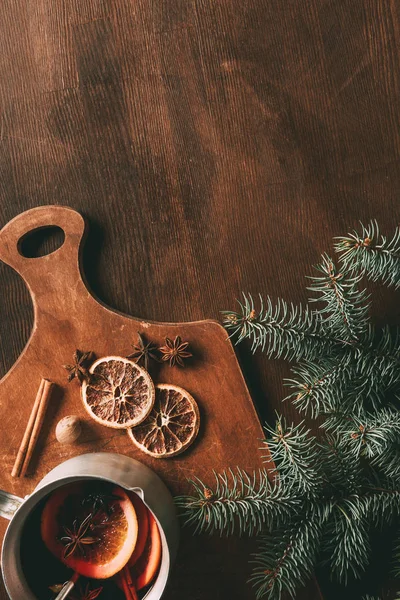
x: 214, y: 146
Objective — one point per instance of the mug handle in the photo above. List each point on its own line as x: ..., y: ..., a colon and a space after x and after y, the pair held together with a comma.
x: 137, y: 491
x: 9, y: 504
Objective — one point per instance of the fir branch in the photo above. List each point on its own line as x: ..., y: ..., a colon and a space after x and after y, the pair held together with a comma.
x: 354, y: 381
x: 346, y: 538
x: 370, y: 253
x: 295, y: 453
x: 396, y: 558
x: 349, y: 374
x: 320, y: 384
x: 373, y: 436
x: 370, y: 384
x: 375, y: 381
x: 388, y: 465
x: 380, y: 506
x: 238, y: 504
x: 286, y: 558
x: 382, y: 344
x: 346, y: 307
x: 292, y: 333
x: 347, y: 542
x: 341, y: 475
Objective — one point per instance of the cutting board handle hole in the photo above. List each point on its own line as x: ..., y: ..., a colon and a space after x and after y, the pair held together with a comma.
x: 41, y: 241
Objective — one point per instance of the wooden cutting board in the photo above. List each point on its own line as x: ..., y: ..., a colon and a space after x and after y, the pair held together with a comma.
x: 67, y: 316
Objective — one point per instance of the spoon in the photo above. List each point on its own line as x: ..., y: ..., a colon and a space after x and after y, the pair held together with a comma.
x: 67, y: 587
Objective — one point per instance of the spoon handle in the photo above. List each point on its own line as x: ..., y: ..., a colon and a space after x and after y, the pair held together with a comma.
x: 67, y: 587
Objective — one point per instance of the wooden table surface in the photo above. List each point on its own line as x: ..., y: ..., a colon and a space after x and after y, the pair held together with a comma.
x: 215, y: 146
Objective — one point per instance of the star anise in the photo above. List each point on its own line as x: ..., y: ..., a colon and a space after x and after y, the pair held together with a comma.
x: 87, y: 593
x: 143, y: 351
x: 100, y: 501
x: 79, y: 593
x: 175, y: 351
x: 79, y: 367
x: 75, y: 539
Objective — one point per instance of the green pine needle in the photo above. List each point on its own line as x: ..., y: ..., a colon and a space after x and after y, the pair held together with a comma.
x: 373, y: 435
x: 237, y: 503
x: 319, y: 385
x: 328, y: 495
x: 282, y: 331
x: 343, y: 476
x: 369, y: 253
x: 286, y: 558
x: 396, y: 558
x: 295, y: 453
x: 347, y: 542
x: 357, y: 380
x: 345, y: 306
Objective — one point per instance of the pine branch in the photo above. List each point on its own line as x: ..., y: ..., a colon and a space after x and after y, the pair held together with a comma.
x: 384, y: 597
x: 347, y: 542
x: 286, y: 558
x: 320, y: 384
x: 378, y: 505
x: 346, y: 539
x: 346, y: 307
x: 238, y: 504
x: 357, y: 379
x: 396, y: 559
x: 370, y: 253
x: 342, y: 476
x: 388, y: 465
x: 357, y: 383
x: 375, y: 379
x: 295, y: 453
x: 292, y: 333
x: 349, y: 374
x: 374, y: 436
x: 384, y: 344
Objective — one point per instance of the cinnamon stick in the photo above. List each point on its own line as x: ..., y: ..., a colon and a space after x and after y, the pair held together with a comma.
x: 33, y: 428
x: 28, y: 432
x: 127, y: 584
x: 131, y: 584
x: 47, y: 387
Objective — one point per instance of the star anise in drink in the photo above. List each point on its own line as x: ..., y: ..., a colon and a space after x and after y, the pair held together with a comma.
x: 76, y: 539
x: 78, y: 593
x: 143, y: 351
x: 86, y: 593
x: 100, y: 501
x: 79, y: 368
x: 175, y: 351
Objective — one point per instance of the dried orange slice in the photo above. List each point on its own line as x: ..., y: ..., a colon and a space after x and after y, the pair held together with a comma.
x: 172, y: 425
x: 118, y: 393
x: 96, y: 543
